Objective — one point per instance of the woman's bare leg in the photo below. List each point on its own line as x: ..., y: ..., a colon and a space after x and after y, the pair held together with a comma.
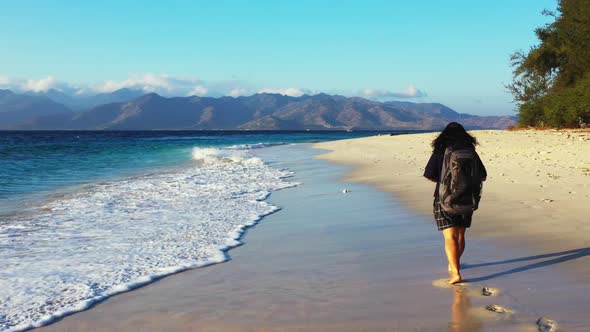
x: 451, y: 236
x: 461, y: 240
x: 461, y: 243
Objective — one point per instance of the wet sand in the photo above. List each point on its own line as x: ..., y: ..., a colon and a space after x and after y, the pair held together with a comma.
x: 537, y: 191
x: 359, y: 261
x: 535, y: 198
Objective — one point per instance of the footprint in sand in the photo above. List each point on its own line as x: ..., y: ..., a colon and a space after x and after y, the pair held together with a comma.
x: 488, y: 291
x: 499, y: 309
x: 444, y: 283
x: 546, y: 325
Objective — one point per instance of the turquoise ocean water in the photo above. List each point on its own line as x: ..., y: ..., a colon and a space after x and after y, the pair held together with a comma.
x: 85, y: 215
x: 39, y: 162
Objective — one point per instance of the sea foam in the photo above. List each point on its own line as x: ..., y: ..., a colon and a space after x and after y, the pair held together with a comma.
x: 106, y: 238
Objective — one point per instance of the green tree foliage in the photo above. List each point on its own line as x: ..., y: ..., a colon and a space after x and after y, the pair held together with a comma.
x: 551, y: 83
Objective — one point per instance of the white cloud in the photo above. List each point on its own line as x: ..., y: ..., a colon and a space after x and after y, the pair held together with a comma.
x: 163, y: 84
x: 41, y: 85
x: 236, y: 92
x: 35, y: 85
x: 199, y: 90
x: 5, y: 81
x: 293, y: 92
x: 166, y: 85
x: 410, y: 92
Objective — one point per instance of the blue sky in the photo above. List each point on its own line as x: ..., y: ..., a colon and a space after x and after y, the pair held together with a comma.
x: 453, y: 52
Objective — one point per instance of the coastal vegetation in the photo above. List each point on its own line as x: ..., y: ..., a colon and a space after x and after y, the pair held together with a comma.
x: 551, y: 84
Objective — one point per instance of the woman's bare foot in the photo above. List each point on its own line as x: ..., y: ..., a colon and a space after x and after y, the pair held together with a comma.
x: 455, y: 278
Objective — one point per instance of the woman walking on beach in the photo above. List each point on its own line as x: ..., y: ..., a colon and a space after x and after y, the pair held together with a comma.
x: 458, y: 172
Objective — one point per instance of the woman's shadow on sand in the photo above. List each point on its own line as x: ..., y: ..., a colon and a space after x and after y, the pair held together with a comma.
x: 560, y: 257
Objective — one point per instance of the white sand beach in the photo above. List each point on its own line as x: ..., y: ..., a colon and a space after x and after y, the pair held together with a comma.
x: 537, y: 190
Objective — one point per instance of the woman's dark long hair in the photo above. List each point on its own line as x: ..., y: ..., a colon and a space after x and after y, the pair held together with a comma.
x: 453, y: 134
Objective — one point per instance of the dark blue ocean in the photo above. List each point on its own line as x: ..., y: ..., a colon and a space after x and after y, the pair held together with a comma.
x: 85, y: 215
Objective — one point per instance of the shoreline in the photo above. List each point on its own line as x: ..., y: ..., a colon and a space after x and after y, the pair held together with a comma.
x: 330, y: 261
x: 18, y: 310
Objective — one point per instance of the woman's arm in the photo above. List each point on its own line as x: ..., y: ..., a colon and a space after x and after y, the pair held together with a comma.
x: 482, y: 168
x: 432, y: 169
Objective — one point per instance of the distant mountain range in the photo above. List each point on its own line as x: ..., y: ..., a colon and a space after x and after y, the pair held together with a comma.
x: 132, y: 110
x: 84, y: 102
x: 18, y: 109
